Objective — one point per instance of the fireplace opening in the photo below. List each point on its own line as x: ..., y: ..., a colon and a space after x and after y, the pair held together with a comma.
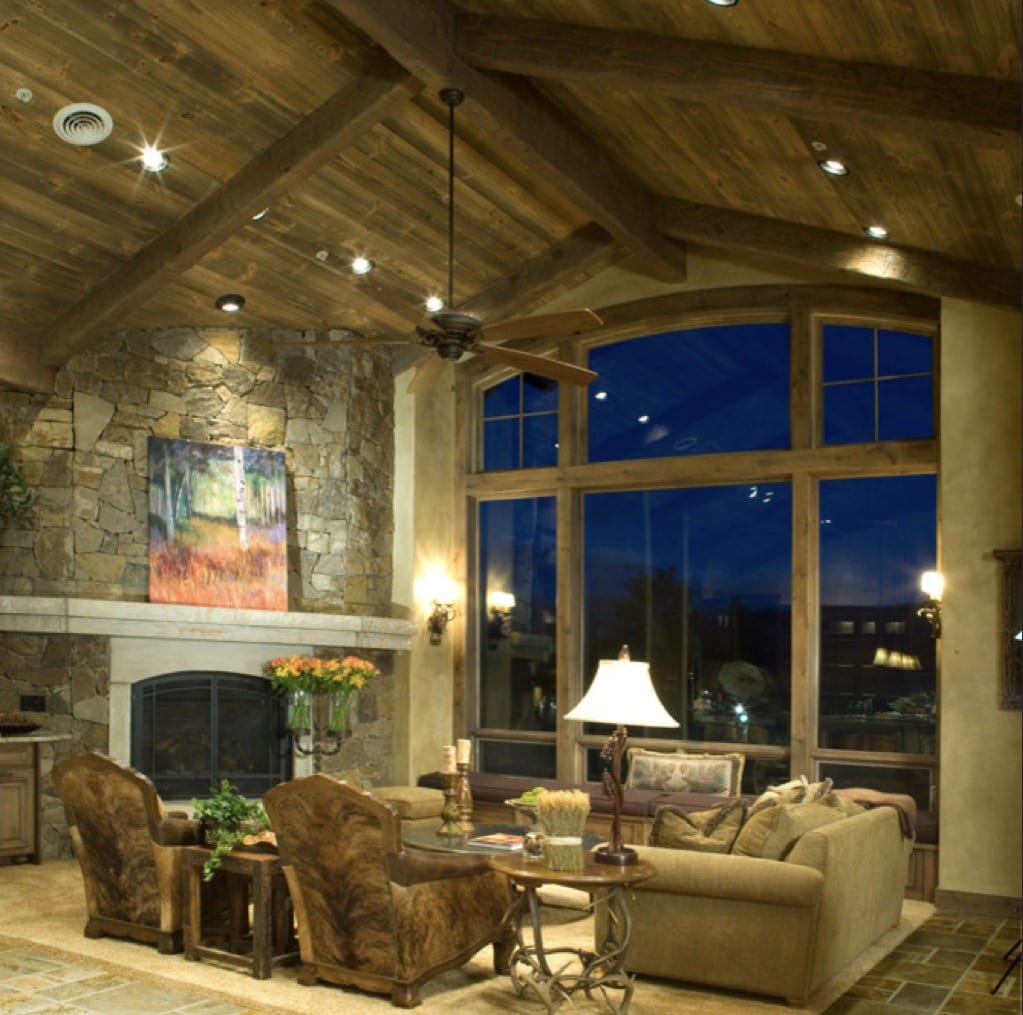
x: 191, y: 729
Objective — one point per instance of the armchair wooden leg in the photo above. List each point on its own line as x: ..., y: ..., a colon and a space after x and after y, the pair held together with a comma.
x: 502, y: 955
x: 405, y: 995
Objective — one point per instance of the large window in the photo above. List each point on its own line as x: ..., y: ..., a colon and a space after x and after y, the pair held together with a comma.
x: 692, y: 392
x: 698, y: 583
x: 748, y: 506
x: 877, y: 656
x: 517, y: 582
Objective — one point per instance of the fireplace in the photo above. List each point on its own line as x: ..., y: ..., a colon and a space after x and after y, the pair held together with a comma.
x: 190, y: 729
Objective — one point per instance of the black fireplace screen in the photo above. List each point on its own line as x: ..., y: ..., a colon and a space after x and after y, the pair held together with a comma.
x: 189, y: 730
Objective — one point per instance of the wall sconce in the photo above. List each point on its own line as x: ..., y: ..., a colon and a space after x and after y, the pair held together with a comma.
x: 933, y: 585
x: 437, y: 622
x: 500, y: 605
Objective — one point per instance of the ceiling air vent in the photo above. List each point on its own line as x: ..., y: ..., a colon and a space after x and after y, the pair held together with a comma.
x: 82, y: 124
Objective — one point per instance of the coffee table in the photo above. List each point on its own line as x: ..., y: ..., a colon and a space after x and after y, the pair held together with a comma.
x: 427, y: 838
x: 602, y: 970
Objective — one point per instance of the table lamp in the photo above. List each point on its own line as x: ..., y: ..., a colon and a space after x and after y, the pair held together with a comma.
x: 621, y: 693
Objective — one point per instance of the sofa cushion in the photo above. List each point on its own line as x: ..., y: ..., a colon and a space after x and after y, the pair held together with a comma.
x: 772, y: 832
x: 677, y: 771
x: 710, y: 831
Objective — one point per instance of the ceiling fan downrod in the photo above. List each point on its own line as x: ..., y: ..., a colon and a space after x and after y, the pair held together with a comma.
x: 453, y: 97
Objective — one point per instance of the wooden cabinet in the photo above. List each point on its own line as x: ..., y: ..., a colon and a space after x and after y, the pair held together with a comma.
x: 19, y: 800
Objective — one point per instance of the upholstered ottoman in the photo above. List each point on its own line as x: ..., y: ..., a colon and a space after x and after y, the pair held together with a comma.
x: 416, y: 805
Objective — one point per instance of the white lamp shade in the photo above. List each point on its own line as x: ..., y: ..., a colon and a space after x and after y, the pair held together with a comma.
x: 622, y: 692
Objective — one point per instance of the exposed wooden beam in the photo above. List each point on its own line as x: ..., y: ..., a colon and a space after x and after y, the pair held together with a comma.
x: 906, y: 267
x: 381, y: 88
x: 953, y: 107
x: 22, y: 370
x: 558, y: 269
x: 420, y: 35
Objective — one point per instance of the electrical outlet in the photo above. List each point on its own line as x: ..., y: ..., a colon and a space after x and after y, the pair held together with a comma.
x: 33, y: 703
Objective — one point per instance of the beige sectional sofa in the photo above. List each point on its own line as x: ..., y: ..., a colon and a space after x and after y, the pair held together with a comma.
x: 769, y: 926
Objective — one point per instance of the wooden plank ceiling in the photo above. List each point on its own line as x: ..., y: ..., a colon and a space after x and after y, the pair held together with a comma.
x: 594, y: 133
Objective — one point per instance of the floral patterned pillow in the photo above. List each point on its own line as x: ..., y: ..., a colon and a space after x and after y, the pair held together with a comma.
x: 679, y: 772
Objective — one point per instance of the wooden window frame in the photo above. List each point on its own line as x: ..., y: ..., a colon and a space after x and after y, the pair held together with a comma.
x: 803, y: 465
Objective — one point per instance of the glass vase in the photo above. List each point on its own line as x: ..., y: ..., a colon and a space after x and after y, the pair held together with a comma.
x: 300, y: 711
x: 337, y: 714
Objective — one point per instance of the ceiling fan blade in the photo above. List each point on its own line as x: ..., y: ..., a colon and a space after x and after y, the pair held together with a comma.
x: 527, y: 362
x: 427, y: 374
x: 556, y: 325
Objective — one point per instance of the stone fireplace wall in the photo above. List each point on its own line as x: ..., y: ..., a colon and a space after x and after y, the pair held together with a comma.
x: 84, y: 453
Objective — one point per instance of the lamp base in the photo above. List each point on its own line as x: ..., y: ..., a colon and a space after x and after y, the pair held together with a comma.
x: 621, y: 857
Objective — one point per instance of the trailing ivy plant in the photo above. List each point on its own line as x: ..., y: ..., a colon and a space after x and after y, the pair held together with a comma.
x: 226, y: 818
x: 15, y: 500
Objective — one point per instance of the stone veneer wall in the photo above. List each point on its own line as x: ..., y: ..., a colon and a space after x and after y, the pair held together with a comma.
x: 84, y: 453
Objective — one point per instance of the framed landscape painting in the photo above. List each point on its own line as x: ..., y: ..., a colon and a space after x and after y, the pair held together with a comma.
x: 217, y: 525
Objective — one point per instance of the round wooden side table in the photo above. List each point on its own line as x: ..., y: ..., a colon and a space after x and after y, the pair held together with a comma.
x: 602, y: 970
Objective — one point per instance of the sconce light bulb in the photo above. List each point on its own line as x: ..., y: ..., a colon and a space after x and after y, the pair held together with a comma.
x: 932, y: 584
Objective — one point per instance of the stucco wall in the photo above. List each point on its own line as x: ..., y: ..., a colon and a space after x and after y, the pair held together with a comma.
x: 981, y: 788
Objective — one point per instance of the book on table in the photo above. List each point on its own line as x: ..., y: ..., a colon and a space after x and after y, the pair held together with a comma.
x: 498, y: 840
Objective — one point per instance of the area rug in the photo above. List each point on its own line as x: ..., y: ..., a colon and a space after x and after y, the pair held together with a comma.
x: 45, y: 906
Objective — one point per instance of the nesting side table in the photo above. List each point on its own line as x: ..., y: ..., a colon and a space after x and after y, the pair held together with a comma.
x: 259, y: 944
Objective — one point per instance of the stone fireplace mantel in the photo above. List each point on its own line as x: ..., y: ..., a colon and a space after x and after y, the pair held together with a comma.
x: 151, y: 639
x: 49, y: 615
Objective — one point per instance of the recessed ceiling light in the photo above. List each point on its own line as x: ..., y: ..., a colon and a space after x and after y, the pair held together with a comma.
x: 722, y: 3
x: 361, y: 265
x: 433, y: 304
x: 230, y: 303
x: 153, y: 160
x: 876, y: 232
x: 833, y: 167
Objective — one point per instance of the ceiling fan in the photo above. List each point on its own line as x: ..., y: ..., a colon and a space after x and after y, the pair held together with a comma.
x: 452, y: 334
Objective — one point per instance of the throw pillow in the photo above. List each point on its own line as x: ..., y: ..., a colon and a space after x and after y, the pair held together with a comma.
x: 678, y: 772
x: 841, y: 803
x: 798, y: 791
x: 710, y: 831
x: 773, y: 832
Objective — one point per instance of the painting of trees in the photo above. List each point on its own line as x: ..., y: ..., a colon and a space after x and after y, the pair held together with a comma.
x: 217, y: 525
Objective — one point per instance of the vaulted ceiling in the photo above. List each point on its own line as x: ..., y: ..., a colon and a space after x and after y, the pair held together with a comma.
x: 593, y: 133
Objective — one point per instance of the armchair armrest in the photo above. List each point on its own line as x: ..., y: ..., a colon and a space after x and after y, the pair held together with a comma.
x: 412, y: 867
x: 171, y: 831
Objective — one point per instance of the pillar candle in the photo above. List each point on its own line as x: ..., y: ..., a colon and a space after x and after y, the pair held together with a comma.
x: 448, y: 759
x: 464, y: 751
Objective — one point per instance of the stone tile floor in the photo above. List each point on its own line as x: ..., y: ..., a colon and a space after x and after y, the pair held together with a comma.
x: 950, y: 965
x: 34, y: 983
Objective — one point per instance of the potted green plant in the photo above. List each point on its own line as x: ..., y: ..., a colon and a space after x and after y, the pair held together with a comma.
x: 15, y: 500
x: 227, y: 818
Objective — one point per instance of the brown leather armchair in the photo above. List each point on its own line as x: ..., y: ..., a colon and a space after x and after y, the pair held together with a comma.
x: 370, y: 914
x: 129, y: 849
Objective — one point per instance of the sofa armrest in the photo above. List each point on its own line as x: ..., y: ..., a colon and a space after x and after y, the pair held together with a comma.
x: 723, y: 876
